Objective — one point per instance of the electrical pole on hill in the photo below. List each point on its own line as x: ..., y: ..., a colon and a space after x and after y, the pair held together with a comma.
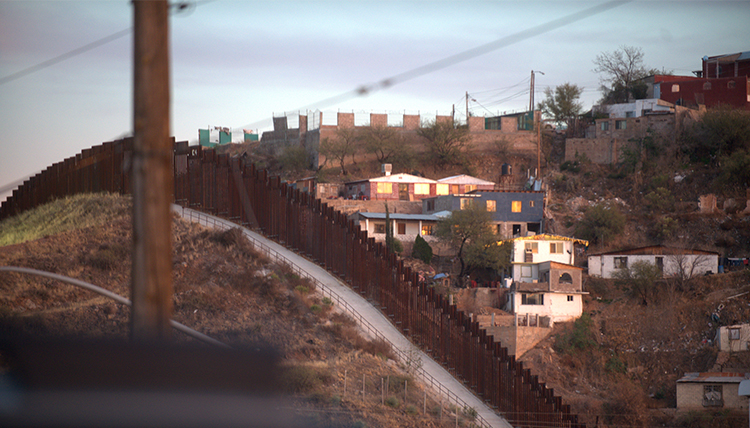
x: 152, y: 174
x: 538, y: 124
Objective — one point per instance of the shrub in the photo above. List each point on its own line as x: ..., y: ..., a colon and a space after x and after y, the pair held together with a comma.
x: 580, y: 338
x: 392, y: 402
x: 301, y: 289
x: 615, y: 365
x: 411, y: 410
x: 572, y: 166
x: 601, y: 222
x: 422, y: 250
x: 294, y: 158
x: 299, y: 379
x: 660, y: 199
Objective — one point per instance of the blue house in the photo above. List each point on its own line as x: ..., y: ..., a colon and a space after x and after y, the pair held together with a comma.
x: 514, y: 213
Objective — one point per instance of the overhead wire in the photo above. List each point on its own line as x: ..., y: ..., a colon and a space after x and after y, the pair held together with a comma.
x: 468, y: 54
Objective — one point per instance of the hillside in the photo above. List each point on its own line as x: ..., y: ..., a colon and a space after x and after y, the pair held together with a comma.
x: 222, y: 288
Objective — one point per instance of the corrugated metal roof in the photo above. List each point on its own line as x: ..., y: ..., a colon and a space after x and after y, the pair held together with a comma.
x: 714, y: 377
x: 465, y: 179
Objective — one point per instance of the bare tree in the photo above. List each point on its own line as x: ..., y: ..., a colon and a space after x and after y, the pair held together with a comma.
x: 446, y: 142
x: 686, y: 266
x: 344, y: 145
x: 384, y: 142
x: 620, y: 70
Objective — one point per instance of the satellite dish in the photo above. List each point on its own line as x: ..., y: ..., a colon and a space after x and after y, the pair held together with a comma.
x: 705, y: 57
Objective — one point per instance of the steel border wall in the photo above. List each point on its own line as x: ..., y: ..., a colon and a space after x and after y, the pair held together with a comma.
x: 234, y: 189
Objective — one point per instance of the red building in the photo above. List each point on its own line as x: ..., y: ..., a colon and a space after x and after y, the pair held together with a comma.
x: 730, y: 65
x: 693, y: 91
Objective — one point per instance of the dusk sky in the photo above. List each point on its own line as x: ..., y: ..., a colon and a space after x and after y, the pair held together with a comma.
x: 237, y: 64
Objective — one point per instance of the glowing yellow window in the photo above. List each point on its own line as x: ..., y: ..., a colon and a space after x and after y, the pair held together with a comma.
x: 492, y: 206
x: 385, y: 188
x: 421, y: 188
x: 442, y: 189
x: 516, y: 206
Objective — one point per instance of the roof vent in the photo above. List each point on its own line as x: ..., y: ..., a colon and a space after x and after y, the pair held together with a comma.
x: 386, y: 168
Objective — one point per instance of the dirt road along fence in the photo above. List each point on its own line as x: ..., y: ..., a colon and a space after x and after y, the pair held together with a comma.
x: 231, y: 188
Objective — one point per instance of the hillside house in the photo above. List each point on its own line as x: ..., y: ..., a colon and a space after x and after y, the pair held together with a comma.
x: 733, y: 338
x: 400, y: 187
x: 546, y: 286
x: 710, y: 391
x: 671, y: 261
x: 514, y: 213
x: 406, y: 227
x: 463, y: 183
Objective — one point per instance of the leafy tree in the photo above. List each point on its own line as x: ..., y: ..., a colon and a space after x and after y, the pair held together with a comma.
x: 640, y: 279
x: 294, y: 158
x: 562, y: 104
x: 486, y: 252
x: 393, y: 244
x: 422, y: 250
x: 721, y: 131
x: 735, y: 170
x: 384, y: 142
x: 446, y: 143
x: 344, y: 145
x: 469, y: 231
x: 620, y: 71
x: 601, y: 222
x: 660, y: 200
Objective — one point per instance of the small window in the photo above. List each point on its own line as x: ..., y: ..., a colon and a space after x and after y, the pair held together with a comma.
x: 712, y: 396
x: 401, y: 228
x: 731, y: 84
x: 556, y: 247
x: 379, y: 227
x: 605, y: 126
x: 675, y: 88
x: 516, y: 206
x: 531, y: 204
x: 734, y: 334
x: 466, y: 203
x: 565, y: 278
x: 621, y: 262
x: 707, y: 86
x: 532, y: 247
x: 492, y: 206
x: 526, y: 272
x: 427, y: 229
x: 621, y: 124
x: 431, y: 205
x: 470, y: 188
x: 570, y: 298
x: 629, y: 114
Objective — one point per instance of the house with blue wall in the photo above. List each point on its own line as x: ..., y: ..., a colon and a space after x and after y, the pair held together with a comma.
x: 514, y: 213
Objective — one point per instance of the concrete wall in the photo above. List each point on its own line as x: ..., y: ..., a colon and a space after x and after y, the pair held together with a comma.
x: 518, y: 340
x: 690, y: 396
x: 734, y: 345
x: 556, y: 306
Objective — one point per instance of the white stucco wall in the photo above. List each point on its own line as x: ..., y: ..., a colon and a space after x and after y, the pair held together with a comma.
x: 604, y: 265
x: 556, y: 306
x: 543, y: 254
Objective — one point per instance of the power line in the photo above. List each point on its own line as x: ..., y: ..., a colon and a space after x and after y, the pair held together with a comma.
x: 466, y: 55
x: 60, y: 58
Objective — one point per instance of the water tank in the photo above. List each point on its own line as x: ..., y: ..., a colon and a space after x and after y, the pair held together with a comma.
x: 506, y: 169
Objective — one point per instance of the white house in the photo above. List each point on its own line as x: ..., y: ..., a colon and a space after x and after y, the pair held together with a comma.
x: 546, y: 287
x: 671, y: 261
x: 406, y: 227
x: 733, y: 338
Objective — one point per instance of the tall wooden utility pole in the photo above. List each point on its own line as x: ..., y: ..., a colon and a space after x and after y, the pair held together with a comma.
x: 152, y: 174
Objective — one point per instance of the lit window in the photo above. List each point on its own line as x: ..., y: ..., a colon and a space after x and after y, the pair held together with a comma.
x: 427, y: 229
x: 621, y: 262
x: 442, y: 189
x: 469, y: 187
x: 516, y: 206
x: 532, y: 247
x: 675, y: 88
x: 531, y: 204
x: 421, y: 188
x: 556, y: 247
x: 465, y: 203
x: 492, y: 206
x: 385, y: 187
